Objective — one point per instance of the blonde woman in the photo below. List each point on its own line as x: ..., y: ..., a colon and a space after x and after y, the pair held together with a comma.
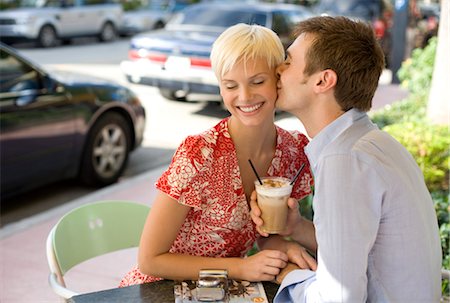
x: 201, y: 215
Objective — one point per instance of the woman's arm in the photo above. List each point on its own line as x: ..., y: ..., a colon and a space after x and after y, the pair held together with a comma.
x: 160, y: 231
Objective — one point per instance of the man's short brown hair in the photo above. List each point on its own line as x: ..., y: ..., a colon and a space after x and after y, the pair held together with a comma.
x: 351, y: 50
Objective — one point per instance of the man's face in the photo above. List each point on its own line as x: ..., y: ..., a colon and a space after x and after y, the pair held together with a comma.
x: 294, y: 88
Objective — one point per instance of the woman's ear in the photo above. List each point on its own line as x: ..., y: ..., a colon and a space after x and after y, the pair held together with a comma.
x: 325, y: 81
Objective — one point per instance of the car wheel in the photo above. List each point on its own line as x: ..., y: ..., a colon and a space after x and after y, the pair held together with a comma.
x: 108, y: 32
x: 171, y: 95
x: 106, y: 152
x: 159, y: 25
x: 47, y: 36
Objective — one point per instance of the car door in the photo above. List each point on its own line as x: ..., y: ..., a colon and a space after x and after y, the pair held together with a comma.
x: 37, y: 126
x: 67, y: 16
x: 94, y: 13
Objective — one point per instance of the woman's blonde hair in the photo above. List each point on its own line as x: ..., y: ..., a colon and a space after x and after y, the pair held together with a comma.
x: 245, y: 42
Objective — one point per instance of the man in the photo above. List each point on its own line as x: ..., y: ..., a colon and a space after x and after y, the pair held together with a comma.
x: 375, y: 231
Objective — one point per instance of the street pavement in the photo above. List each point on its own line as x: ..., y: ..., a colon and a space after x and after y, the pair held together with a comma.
x: 23, y: 264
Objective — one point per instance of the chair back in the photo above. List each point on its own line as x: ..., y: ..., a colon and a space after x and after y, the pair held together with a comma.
x: 89, y: 231
x: 96, y: 229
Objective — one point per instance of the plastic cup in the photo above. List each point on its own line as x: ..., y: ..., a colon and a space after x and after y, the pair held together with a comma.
x: 272, y: 197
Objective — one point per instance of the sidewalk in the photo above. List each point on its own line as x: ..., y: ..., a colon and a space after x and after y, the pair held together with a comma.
x: 23, y: 263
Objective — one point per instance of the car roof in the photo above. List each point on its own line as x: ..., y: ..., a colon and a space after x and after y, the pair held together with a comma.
x: 16, y: 53
x: 252, y: 6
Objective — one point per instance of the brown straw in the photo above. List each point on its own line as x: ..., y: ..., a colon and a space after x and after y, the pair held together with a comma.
x: 254, y: 170
x: 298, y: 174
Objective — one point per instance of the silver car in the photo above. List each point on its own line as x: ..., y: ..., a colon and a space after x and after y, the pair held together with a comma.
x: 155, y: 14
x: 46, y: 21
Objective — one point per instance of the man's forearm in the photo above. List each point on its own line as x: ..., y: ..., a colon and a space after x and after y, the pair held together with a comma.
x: 305, y: 235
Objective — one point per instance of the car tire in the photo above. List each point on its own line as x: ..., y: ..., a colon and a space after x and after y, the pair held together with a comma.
x: 108, y: 33
x: 159, y: 25
x: 47, y: 36
x: 106, y: 151
x: 170, y: 94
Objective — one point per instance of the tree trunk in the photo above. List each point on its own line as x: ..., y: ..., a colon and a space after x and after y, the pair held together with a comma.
x: 439, y: 97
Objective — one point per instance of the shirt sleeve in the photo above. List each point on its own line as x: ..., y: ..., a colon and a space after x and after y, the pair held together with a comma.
x: 188, y: 168
x: 347, y: 212
x: 294, y: 285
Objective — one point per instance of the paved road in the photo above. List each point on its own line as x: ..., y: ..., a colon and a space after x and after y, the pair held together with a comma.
x: 168, y: 122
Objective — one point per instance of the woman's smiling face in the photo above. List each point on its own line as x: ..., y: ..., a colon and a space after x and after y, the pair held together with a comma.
x: 249, y: 91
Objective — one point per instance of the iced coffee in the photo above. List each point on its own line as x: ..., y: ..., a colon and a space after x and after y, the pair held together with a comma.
x: 272, y: 200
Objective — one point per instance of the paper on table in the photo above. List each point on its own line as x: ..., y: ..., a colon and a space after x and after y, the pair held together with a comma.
x: 239, y: 292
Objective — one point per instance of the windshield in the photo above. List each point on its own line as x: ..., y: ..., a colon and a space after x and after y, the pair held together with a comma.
x: 364, y: 9
x: 40, y: 3
x: 217, y: 18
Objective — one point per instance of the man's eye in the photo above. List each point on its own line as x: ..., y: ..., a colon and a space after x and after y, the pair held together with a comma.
x: 230, y: 86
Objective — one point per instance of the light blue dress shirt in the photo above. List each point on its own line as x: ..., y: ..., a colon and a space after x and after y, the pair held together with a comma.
x: 376, y: 228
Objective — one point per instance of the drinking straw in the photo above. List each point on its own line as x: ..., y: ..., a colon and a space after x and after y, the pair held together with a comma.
x: 254, y: 170
x: 298, y: 173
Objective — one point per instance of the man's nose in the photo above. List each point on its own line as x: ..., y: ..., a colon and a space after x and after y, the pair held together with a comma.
x: 279, y: 70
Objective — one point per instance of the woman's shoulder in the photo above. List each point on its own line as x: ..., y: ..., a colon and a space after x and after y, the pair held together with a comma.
x: 292, y: 137
x: 205, y: 143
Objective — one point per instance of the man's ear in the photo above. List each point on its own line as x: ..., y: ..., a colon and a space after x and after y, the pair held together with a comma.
x: 326, y: 80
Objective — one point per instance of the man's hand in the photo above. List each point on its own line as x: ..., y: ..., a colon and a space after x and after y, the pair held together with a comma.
x: 255, y: 214
x: 289, y: 267
x: 294, y: 217
x: 299, y: 256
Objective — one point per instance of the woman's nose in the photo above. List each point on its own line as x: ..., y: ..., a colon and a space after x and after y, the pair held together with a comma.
x: 244, y: 94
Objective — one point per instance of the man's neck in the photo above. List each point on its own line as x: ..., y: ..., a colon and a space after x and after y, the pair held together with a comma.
x: 318, y: 118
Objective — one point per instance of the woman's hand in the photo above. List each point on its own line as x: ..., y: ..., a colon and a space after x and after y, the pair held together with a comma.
x: 263, y: 266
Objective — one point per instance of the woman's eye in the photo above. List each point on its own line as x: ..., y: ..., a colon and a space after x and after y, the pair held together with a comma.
x: 230, y: 86
x: 258, y: 82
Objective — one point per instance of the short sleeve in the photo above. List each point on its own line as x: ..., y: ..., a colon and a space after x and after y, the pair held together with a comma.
x: 189, y: 167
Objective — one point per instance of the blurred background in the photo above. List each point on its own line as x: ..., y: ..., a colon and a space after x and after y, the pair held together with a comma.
x: 142, y: 72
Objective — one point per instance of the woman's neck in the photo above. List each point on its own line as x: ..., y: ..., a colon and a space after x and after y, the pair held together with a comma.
x: 253, y: 141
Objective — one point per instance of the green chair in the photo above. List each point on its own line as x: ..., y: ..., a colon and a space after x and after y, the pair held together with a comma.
x: 89, y: 231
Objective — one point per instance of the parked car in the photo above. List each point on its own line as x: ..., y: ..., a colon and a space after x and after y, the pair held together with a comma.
x: 176, y: 59
x: 58, y: 126
x: 46, y: 21
x: 152, y: 16
x: 374, y: 12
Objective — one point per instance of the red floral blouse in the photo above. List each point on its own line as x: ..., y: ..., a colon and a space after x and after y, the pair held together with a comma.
x: 204, y: 174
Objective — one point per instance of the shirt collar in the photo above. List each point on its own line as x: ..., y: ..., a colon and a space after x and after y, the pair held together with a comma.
x: 330, y: 133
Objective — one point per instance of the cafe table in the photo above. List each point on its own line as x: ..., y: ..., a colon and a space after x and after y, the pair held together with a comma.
x: 155, y: 292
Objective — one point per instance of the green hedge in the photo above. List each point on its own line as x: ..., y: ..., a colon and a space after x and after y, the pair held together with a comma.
x: 428, y: 143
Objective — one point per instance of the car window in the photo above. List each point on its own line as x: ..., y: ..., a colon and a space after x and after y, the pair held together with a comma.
x: 220, y: 18
x: 16, y: 75
x: 283, y: 23
x: 280, y: 24
x: 96, y: 2
x: 40, y: 3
